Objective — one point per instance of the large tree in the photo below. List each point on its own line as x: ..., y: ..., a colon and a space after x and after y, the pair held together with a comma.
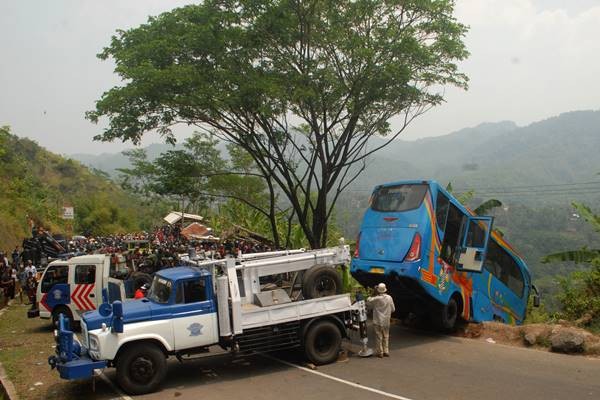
x: 301, y: 86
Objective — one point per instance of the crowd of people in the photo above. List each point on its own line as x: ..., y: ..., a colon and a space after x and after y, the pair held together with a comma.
x: 143, y: 251
x: 16, y: 278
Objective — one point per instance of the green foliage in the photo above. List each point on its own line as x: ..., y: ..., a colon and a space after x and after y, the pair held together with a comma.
x: 301, y: 87
x: 580, y: 290
x: 37, y: 183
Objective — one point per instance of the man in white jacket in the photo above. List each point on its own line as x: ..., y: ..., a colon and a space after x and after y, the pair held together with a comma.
x: 383, y: 307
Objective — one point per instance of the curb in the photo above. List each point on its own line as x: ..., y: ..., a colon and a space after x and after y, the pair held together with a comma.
x: 6, y: 386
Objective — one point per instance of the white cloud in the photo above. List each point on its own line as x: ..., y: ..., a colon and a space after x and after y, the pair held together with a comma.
x: 527, y: 63
x: 530, y: 59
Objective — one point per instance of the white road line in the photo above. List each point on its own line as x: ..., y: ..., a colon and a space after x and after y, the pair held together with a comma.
x: 118, y: 391
x: 333, y: 378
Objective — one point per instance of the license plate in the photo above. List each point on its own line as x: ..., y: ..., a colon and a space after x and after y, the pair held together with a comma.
x: 377, y: 270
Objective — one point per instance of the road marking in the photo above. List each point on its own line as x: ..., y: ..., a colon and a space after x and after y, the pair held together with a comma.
x: 118, y: 391
x: 333, y: 378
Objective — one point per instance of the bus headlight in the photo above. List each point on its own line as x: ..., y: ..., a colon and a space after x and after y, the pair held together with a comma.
x: 93, y: 342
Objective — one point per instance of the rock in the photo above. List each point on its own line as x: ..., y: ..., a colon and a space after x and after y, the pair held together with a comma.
x: 530, y: 339
x: 567, y: 341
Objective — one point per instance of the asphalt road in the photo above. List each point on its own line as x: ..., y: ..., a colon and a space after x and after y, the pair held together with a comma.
x: 422, y: 366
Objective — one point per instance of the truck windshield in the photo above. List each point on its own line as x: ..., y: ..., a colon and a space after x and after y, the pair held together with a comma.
x: 160, y: 291
x: 398, y: 198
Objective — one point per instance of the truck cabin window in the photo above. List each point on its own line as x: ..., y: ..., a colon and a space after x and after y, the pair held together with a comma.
x: 191, y: 291
x: 160, y: 291
x: 85, y: 274
x: 398, y: 198
x: 55, y: 274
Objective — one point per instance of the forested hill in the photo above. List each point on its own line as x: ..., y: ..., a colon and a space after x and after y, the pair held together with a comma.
x: 558, y: 150
x: 497, y: 156
x: 37, y: 183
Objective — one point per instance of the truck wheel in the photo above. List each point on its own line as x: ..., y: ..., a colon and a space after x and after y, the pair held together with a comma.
x: 322, y: 342
x: 321, y: 281
x: 141, y: 368
x: 67, y: 313
x: 446, y: 315
x: 139, y: 279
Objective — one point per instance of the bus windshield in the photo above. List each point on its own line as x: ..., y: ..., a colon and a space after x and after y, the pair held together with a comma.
x: 160, y: 291
x: 399, y: 198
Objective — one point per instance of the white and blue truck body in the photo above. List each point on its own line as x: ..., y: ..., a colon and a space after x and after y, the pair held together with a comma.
x: 225, y: 303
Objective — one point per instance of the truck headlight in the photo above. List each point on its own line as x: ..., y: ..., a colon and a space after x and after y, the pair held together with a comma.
x: 94, y: 343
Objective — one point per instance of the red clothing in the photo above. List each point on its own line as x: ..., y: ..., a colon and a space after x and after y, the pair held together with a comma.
x: 139, y: 294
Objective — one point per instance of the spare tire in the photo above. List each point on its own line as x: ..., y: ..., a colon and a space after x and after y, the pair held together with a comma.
x: 139, y: 279
x: 321, y: 281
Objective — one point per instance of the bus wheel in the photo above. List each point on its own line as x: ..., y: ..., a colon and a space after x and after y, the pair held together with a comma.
x: 141, y: 368
x: 321, y: 281
x: 322, y: 342
x: 446, y: 315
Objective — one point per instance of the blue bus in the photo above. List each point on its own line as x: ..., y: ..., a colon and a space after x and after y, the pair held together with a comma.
x: 438, y: 259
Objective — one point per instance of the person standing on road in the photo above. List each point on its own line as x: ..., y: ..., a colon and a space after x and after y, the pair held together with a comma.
x: 383, y: 307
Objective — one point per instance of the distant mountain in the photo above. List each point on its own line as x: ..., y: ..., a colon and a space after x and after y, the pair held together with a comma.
x: 110, y: 162
x: 500, y: 157
x: 490, y: 156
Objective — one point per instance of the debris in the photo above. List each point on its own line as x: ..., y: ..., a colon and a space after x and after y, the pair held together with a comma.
x: 310, y: 365
x: 490, y: 340
x: 38, y: 384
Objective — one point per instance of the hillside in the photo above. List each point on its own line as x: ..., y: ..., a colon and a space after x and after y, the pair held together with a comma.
x: 37, y: 183
x: 491, y: 157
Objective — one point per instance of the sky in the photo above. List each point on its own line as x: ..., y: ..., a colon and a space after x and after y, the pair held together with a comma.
x: 530, y: 60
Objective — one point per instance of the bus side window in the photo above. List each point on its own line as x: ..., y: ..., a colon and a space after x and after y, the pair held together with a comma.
x: 500, y: 264
x: 454, y: 224
x: 441, y: 210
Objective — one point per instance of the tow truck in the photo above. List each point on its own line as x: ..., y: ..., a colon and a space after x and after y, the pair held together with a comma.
x: 230, y: 303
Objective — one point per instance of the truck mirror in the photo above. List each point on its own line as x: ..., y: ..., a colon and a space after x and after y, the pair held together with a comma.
x: 536, y: 300
x: 117, y: 320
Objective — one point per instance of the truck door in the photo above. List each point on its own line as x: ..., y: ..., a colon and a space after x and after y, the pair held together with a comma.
x: 194, y: 314
x: 53, y: 289
x: 83, y: 287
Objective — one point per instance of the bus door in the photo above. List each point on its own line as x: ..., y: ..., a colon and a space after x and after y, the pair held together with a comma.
x: 476, y: 235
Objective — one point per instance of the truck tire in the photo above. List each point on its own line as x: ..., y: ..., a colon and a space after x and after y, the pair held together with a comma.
x: 139, y: 279
x: 141, y: 368
x: 321, y: 281
x: 445, y: 316
x: 67, y: 313
x: 322, y: 342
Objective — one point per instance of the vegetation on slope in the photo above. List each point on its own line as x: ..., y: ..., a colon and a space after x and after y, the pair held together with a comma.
x: 36, y: 184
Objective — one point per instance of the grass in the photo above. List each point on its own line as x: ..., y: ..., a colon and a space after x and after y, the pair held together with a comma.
x: 25, y: 345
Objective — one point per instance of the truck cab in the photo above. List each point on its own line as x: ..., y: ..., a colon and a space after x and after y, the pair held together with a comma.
x: 74, y: 286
